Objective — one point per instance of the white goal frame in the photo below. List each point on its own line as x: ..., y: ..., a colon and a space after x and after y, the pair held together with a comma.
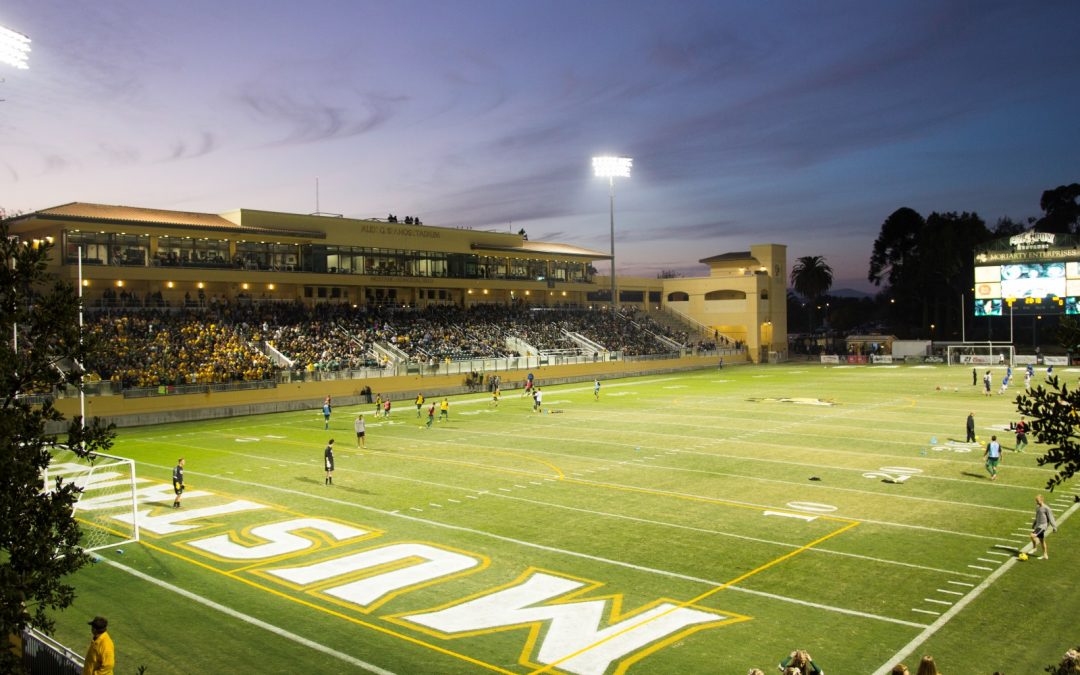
x: 107, y: 505
x: 981, y: 354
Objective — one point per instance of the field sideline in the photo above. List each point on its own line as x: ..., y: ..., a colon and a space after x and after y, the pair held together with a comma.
x: 688, y: 523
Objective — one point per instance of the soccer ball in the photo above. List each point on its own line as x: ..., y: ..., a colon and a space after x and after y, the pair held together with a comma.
x: 1022, y: 557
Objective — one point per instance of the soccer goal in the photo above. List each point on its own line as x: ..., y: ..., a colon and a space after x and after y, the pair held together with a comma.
x: 981, y: 354
x: 106, y: 507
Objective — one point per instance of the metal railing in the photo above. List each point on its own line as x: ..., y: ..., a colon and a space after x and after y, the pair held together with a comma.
x: 43, y: 655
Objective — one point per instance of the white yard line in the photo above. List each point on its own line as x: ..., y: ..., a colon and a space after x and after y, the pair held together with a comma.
x: 910, y: 648
x: 747, y: 477
x: 816, y: 549
x: 246, y: 618
x: 575, y: 554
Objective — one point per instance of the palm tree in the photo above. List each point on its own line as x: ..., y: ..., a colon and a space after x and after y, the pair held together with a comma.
x: 811, y: 277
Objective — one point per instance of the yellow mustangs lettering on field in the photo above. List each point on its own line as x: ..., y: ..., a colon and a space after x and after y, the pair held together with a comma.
x: 563, y: 630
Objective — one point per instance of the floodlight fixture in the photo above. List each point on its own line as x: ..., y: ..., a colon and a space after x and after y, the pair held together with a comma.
x: 612, y: 168
x: 14, y: 48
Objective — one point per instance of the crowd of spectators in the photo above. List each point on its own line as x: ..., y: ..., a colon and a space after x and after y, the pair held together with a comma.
x: 159, y: 349
x: 220, y: 341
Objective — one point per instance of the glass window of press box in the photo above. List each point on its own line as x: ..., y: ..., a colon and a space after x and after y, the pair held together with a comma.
x: 275, y: 257
x: 110, y: 248
x: 106, y: 248
x: 191, y: 252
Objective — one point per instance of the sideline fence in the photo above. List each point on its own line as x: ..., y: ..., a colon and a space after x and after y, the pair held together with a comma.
x: 43, y: 655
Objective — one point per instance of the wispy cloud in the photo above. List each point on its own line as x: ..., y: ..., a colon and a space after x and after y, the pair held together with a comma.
x: 204, y: 144
x: 309, y: 119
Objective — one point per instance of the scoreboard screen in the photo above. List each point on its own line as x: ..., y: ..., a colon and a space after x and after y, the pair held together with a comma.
x: 1052, y: 287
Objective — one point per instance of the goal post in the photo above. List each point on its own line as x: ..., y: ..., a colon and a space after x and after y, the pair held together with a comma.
x: 980, y: 354
x: 106, y: 508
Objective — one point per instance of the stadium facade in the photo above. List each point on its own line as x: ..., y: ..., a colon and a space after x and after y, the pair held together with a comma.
x: 144, y: 256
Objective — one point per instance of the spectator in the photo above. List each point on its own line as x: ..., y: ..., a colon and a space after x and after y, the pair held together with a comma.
x: 1069, y: 665
x: 928, y: 667
x: 101, y: 656
x: 800, y: 661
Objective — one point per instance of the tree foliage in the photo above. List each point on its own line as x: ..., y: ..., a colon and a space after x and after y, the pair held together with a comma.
x: 40, y: 345
x: 1054, y: 410
x: 1055, y: 413
x: 811, y: 276
x: 926, y: 265
x: 1061, y: 209
x: 895, y: 248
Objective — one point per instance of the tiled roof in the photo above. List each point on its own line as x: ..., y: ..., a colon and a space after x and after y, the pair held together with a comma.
x: 546, y: 248
x: 728, y: 257
x: 106, y: 213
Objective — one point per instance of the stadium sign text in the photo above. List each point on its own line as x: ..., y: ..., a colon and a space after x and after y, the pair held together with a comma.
x: 1032, y: 239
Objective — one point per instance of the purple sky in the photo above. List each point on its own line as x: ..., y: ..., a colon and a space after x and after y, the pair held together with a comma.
x: 801, y: 123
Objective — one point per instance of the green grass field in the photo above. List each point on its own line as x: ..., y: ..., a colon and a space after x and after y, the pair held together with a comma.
x: 672, y: 526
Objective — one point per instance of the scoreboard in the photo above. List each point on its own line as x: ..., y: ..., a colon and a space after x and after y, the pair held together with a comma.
x: 1031, y: 273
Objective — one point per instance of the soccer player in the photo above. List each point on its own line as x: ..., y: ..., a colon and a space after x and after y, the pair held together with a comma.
x: 988, y: 380
x: 596, y: 389
x: 328, y: 461
x: 326, y: 410
x: 386, y: 408
x: 1021, y: 435
x: 1027, y: 378
x: 495, y: 396
x: 419, y: 403
x: 539, y: 400
x: 378, y: 404
x: 1044, y: 518
x: 1005, y: 382
x: 430, y: 415
x: 178, y: 481
x: 444, y: 410
x: 993, y: 456
x: 528, y: 385
x: 361, y: 431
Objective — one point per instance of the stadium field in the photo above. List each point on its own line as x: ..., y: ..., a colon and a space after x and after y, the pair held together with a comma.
x: 685, y: 523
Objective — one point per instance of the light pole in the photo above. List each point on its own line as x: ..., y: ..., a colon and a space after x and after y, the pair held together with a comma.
x: 612, y: 168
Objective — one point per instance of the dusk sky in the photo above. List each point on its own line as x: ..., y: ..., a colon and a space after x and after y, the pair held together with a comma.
x: 800, y: 123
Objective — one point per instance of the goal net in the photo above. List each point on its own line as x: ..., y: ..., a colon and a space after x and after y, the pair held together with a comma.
x: 106, y: 508
x: 981, y: 354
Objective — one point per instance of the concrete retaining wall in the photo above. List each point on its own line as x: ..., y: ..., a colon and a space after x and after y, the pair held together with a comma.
x: 134, y: 412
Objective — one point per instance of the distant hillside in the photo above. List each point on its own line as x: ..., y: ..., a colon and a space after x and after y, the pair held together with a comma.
x: 849, y: 293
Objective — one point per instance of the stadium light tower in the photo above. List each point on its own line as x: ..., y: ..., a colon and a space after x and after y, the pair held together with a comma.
x: 14, y: 48
x: 612, y: 168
